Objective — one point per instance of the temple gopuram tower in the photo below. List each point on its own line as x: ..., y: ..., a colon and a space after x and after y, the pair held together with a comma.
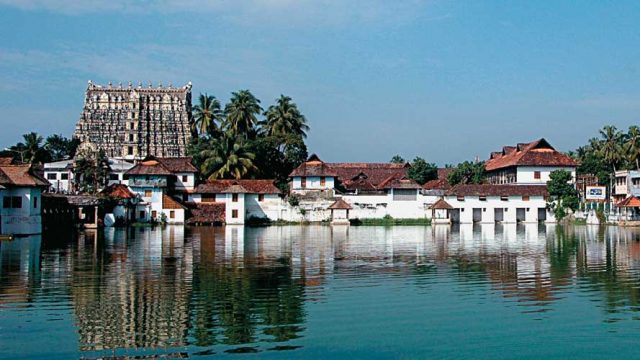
x: 134, y: 122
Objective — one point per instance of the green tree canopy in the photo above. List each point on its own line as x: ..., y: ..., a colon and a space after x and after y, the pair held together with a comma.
x: 284, y: 119
x: 91, y: 170
x: 397, y: 159
x: 421, y: 171
x: 241, y: 113
x: 60, y: 147
x: 563, y: 195
x: 467, y: 173
x: 206, y: 115
x: 227, y: 157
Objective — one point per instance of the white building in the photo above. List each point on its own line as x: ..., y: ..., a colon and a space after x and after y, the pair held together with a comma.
x: 155, y: 184
x: 244, y: 200
x: 626, y: 184
x: 527, y: 164
x: 21, y: 194
x: 59, y: 174
x: 118, y: 169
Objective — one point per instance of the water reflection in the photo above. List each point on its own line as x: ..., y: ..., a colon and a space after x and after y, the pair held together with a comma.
x: 239, y: 289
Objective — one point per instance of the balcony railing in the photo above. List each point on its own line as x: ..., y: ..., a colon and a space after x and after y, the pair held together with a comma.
x: 148, y: 183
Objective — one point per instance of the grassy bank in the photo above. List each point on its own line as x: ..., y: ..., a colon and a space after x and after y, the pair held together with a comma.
x: 389, y: 221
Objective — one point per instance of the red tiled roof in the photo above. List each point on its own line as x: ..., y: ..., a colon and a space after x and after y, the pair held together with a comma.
x: 441, y: 204
x: 178, y: 164
x: 631, y: 201
x: 170, y: 203
x: 119, y: 191
x: 207, y: 213
x: 340, y: 204
x: 399, y: 182
x: 537, y: 153
x: 149, y: 167
x: 497, y: 190
x: 237, y: 186
x: 6, y: 160
x: 20, y: 175
x: 437, y: 184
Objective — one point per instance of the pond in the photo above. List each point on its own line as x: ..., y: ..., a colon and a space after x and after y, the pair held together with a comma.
x: 489, y: 291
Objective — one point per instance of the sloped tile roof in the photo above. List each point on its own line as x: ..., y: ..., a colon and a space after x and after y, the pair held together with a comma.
x: 536, y: 153
x: 20, y: 175
x: 437, y: 184
x: 149, y: 167
x: 247, y: 186
x: 397, y: 181
x: 441, y: 204
x: 631, y: 201
x: 179, y: 164
x: 207, y: 213
x: 170, y: 203
x: 118, y: 191
x: 340, y: 204
x: 6, y: 160
x: 497, y: 190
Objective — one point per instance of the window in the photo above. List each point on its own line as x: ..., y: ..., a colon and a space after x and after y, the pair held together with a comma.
x: 405, y: 195
x: 460, y: 198
x: 129, y: 150
x: 323, y: 181
x: 482, y: 198
x: 16, y: 202
x: 234, y: 214
x: 536, y: 175
x: 525, y: 198
x: 234, y: 197
x: 172, y: 214
x: 303, y: 182
x: 6, y: 202
x: 64, y: 176
x: 131, y: 137
x: 504, y: 198
x: 132, y: 125
x: 52, y: 176
x: 154, y: 214
x: 208, y: 198
x: 35, y: 202
x: 113, y: 177
x: 147, y: 193
x: 141, y: 214
x: 260, y: 197
x: 185, y: 178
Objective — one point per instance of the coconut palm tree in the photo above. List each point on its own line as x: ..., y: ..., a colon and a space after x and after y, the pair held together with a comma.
x: 31, y: 150
x: 206, y: 115
x: 227, y: 158
x: 632, y: 145
x: 241, y: 113
x: 611, y: 146
x: 284, y: 119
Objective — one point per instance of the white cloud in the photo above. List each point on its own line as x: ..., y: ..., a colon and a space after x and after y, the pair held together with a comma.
x: 248, y: 12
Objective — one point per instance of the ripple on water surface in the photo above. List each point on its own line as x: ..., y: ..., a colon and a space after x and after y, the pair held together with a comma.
x: 318, y: 291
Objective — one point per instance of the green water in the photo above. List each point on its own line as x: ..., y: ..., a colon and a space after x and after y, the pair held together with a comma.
x: 321, y: 292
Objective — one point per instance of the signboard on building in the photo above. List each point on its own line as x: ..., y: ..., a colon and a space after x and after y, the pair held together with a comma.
x: 596, y: 193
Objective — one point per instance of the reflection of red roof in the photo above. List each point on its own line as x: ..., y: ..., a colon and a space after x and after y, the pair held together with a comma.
x: 119, y: 191
x: 20, y: 175
x: 537, y: 153
x: 497, y: 190
x: 340, y: 204
x: 237, y: 186
x: 631, y: 201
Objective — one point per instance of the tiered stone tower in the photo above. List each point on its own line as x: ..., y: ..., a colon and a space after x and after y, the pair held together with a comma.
x: 134, y: 122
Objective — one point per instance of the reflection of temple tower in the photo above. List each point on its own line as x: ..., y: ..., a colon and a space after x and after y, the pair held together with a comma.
x: 140, y: 302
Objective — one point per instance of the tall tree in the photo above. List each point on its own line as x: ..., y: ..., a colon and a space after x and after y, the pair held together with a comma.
x: 611, y: 146
x: 91, y: 170
x: 227, y: 157
x: 206, y: 115
x: 421, y: 171
x: 397, y: 159
x: 467, y: 173
x: 632, y: 145
x: 241, y: 113
x: 60, y: 147
x: 30, y: 150
x: 563, y: 195
x: 284, y: 119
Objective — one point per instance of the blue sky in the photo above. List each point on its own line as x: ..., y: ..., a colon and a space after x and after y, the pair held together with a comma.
x: 445, y: 80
